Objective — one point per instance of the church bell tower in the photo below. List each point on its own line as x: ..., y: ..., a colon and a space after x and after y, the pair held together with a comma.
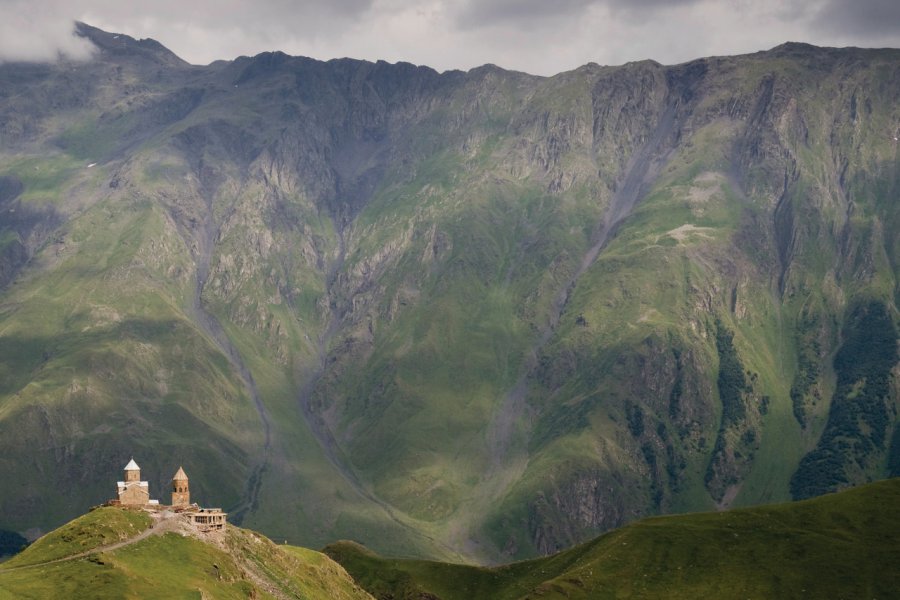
x: 132, y: 472
x: 181, y: 495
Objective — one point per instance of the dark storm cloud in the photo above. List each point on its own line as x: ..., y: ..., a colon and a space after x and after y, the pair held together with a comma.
x: 859, y: 18
x: 486, y: 13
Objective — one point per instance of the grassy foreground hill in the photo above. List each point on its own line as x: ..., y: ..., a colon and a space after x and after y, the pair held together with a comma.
x: 115, y: 553
x: 842, y: 545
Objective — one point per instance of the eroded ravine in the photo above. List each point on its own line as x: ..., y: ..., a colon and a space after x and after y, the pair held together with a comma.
x: 506, y: 462
x: 316, y: 422
x: 205, y: 241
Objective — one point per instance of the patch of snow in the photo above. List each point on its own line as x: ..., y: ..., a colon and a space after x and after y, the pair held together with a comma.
x: 680, y: 233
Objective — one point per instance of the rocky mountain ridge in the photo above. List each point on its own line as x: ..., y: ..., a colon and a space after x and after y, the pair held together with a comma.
x: 480, y: 314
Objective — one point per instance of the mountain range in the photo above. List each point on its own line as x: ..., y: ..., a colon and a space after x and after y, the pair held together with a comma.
x: 474, y: 315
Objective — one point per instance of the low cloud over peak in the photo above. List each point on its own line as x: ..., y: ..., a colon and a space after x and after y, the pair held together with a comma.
x: 37, y: 32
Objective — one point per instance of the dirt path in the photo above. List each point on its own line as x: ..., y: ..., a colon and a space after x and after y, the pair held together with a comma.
x: 250, y: 572
x: 169, y: 522
x: 163, y: 524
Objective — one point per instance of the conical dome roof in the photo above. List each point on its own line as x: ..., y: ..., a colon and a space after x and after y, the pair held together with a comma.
x: 180, y: 475
x: 132, y: 466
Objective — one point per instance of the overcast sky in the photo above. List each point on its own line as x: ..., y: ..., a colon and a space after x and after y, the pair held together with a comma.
x: 537, y: 36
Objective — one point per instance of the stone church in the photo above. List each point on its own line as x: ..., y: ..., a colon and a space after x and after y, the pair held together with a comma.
x: 133, y: 491
x: 136, y: 493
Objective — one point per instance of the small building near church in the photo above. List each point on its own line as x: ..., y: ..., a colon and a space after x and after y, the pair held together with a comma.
x: 207, y: 519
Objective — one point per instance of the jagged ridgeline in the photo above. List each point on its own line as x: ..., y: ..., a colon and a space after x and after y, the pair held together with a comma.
x: 479, y: 315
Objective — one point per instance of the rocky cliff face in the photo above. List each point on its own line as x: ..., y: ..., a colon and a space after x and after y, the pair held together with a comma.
x: 476, y: 314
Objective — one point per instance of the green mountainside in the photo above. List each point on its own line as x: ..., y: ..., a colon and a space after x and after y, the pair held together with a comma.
x: 836, y: 546
x: 111, y: 553
x: 472, y: 316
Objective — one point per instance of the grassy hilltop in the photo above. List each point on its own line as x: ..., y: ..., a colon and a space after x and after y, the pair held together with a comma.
x: 79, y: 560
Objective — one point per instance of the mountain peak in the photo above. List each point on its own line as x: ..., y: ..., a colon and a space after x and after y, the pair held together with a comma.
x: 796, y: 47
x: 121, y: 45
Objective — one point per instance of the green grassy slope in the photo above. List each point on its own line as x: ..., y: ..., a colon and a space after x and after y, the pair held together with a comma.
x: 419, y: 309
x: 239, y: 564
x: 103, y: 351
x: 627, y: 408
x: 100, y: 527
x: 98, y: 351
x: 839, y: 545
